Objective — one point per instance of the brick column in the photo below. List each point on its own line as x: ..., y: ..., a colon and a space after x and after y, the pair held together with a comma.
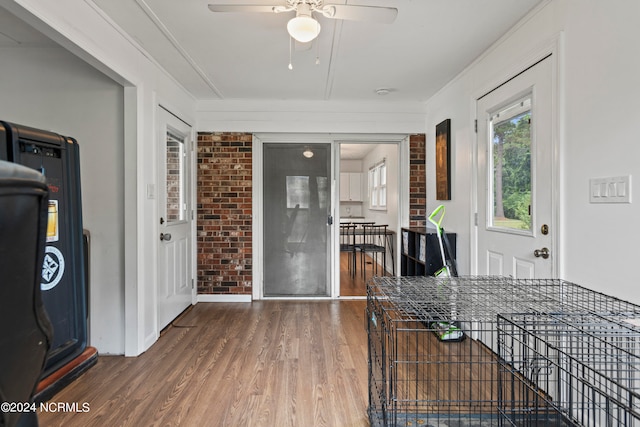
x: 224, y: 213
x: 417, y: 181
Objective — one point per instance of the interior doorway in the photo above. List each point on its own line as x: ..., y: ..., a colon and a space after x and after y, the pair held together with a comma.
x: 369, y: 192
x: 271, y: 225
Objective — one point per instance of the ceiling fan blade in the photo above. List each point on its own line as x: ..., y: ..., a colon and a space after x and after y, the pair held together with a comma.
x: 241, y: 8
x: 383, y: 15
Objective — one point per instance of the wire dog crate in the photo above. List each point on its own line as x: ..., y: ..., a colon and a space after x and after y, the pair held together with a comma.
x: 584, y: 366
x: 488, y: 351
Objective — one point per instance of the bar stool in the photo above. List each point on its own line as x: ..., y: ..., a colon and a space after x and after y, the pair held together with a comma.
x: 347, y: 244
x: 359, y: 232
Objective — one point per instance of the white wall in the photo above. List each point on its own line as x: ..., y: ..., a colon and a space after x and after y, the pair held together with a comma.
x: 310, y: 116
x: 51, y: 89
x: 388, y: 216
x: 351, y: 166
x: 599, y: 112
x: 84, y: 31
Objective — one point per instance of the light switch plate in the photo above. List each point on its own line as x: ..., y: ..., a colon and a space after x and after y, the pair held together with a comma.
x: 615, y: 189
x: 151, y: 191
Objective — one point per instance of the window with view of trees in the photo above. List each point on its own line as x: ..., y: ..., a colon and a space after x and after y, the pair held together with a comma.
x: 511, y: 157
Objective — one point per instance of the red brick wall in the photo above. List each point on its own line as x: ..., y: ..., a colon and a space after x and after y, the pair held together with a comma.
x: 224, y: 213
x: 417, y: 181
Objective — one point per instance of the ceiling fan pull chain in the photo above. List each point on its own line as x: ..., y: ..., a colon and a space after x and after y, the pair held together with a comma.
x: 290, y: 43
x: 317, y: 52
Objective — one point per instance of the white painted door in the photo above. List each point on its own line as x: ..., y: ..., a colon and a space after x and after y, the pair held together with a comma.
x: 174, y: 254
x: 515, y: 215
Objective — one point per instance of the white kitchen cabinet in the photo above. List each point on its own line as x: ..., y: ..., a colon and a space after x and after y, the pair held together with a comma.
x: 351, y: 187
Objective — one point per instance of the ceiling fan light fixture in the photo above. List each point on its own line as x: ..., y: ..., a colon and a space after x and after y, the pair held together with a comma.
x: 303, y: 28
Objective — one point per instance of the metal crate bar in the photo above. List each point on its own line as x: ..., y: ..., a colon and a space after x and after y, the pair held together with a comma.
x: 589, y: 367
x: 421, y: 375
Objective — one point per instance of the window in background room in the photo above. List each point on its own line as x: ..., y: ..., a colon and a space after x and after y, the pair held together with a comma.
x: 378, y: 186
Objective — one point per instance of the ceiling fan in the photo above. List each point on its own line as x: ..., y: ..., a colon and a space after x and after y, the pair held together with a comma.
x: 304, y: 27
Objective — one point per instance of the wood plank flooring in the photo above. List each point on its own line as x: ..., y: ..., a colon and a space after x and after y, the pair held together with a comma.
x: 266, y: 363
x: 355, y: 285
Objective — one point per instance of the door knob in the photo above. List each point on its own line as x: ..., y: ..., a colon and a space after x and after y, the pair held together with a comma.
x: 544, y: 253
x: 165, y: 236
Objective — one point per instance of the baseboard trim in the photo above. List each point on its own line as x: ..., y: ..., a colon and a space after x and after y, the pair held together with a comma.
x: 223, y: 298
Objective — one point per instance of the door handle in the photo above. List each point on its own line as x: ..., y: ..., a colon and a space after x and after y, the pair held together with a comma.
x: 544, y: 253
x: 165, y: 236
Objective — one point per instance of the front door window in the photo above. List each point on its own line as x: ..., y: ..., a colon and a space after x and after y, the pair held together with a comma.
x: 510, y: 141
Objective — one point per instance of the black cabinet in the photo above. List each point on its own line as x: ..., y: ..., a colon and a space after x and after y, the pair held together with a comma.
x: 420, y: 251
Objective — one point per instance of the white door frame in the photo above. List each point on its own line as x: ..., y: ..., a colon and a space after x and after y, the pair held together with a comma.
x: 335, y: 140
x: 555, y: 48
x: 402, y: 220
x: 258, y: 200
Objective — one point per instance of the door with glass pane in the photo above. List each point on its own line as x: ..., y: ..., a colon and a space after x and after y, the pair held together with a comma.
x: 297, y: 207
x: 515, y: 170
x: 174, y: 249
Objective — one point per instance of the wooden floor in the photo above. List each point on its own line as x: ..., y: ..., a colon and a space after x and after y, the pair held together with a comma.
x: 266, y: 363
x: 355, y: 284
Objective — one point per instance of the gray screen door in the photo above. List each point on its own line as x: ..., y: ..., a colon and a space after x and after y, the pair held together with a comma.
x: 297, y: 205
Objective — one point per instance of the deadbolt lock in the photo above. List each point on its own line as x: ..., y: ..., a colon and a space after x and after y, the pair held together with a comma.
x: 544, y: 229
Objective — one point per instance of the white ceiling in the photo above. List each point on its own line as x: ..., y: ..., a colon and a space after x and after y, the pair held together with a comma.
x: 246, y: 55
